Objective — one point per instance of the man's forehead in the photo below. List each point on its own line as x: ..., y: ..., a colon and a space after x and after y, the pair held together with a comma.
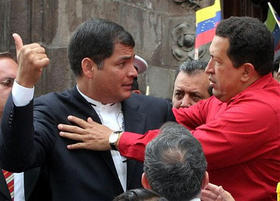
x: 7, y: 66
x: 195, y: 80
x: 218, y: 45
x: 7, y: 59
x: 123, y: 51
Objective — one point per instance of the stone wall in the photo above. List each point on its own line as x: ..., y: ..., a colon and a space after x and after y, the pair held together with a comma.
x: 163, y: 31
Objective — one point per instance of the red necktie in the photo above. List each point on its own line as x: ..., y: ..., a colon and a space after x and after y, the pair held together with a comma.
x: 9, y: 176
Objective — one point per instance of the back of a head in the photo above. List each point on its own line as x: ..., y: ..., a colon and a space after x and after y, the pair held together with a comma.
x: 250, y: 42
x: 175, y: 164
x: 139, y: 194
x: 96, y: 39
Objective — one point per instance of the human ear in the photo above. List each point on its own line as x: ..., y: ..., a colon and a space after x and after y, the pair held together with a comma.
x: 145, y: 182
x: 205, y: 180
x: 88, y: 67
x: 248, y: 71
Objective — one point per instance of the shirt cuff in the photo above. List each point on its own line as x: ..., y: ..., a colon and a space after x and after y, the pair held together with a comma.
x: 22, y: 95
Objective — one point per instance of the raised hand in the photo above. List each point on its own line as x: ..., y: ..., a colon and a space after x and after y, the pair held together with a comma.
x: 32, y: 59
x: 89, y: 134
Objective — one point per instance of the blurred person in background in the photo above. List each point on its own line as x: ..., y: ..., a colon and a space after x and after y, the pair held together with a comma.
x: 191, y: 84
x: 31, y: 185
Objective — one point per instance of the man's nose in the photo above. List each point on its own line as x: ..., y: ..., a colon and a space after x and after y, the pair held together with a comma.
x: 132, y: 71
x: 187, y: 101
x: 209, y: 68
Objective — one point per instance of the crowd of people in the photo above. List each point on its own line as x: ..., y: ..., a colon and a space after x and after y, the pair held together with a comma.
x: 99, y: 141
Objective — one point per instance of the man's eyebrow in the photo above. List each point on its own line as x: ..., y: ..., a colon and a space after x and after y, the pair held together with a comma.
x: 196, y: 93
x: 126, y: 57
x: 7, y: 78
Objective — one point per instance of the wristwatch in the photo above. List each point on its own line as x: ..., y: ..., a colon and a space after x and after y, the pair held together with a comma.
x: 113, y: 139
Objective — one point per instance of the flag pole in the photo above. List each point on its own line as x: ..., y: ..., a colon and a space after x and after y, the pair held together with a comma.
x: 196, y: 54
x: 273, y: 13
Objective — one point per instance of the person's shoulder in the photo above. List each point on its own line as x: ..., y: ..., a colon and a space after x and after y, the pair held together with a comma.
x: 259, y: 104
x: 55, y: 97
x: 262, y: 97
x: 62, y: 94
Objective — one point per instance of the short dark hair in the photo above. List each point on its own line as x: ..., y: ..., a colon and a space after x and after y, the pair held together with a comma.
x: 175, y: 164
x: 249, y: 42
x: 139, y: 194
x: 96, y: 39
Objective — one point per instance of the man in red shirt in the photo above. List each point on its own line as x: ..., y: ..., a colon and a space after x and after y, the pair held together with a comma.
x: 238, y: 127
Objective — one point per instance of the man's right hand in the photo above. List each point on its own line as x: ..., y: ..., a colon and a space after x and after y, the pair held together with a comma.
x: 31, y: 59
x: 88, y: 134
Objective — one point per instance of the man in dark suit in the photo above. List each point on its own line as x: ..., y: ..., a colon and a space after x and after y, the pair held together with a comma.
x: 31, y: 185
x: 101, y: 57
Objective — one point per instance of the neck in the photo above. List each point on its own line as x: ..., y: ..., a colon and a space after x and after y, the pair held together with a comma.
x: 251, y: 81
x: 95, y: 98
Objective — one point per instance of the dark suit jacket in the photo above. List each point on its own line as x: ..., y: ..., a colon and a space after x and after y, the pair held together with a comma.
x: 74, y: 174
x: 36, y: 186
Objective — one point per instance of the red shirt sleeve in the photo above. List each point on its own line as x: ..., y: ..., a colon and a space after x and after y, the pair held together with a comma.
x: 132, y: 145
x: 232, y: 133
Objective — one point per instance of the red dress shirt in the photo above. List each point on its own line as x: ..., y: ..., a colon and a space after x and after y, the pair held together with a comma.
x: 240, y: 139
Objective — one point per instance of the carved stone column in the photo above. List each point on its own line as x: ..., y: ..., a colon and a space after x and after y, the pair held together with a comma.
x: 5, y: 9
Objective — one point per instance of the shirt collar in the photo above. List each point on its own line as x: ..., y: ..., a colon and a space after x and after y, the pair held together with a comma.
x: 195, y: 199
x: 258, y: 84
x: 98, y: 105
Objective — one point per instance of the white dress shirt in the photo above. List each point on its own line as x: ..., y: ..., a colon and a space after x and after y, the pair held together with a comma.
x: 196, y: 199
x: 19, y: 187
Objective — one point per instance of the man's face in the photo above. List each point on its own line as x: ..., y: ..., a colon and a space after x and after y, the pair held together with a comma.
x: 189, y: 89
x: 223, y: 76
x: 114, y: 81
x: 8, y: 71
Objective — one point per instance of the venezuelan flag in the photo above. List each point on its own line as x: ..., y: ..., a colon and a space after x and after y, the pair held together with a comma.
x: 206, y: 22
x: 272, y: 23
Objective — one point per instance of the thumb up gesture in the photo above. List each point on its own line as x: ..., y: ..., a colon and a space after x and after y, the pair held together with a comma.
x: 31, y: 59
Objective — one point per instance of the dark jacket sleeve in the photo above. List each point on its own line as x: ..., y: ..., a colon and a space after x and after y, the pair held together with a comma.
x: 16, y: 138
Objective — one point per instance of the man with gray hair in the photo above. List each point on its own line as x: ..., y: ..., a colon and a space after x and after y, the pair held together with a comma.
x: 191, y: 84
x: 175, y: 165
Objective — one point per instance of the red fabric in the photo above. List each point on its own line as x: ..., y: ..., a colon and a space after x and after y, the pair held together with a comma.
x: 240, y: 138
x: 204, y: 37
x: 10, y: 182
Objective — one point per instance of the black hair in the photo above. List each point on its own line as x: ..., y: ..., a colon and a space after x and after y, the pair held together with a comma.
x: 96, y: 39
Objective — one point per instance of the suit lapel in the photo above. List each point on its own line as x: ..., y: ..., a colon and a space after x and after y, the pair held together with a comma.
x: 3, y: 187
x: 90, y: 112
x: 134, y: 121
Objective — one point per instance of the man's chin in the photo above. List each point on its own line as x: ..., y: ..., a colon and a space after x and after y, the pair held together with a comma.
x: 216, y: 93
x: 126, y: 95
